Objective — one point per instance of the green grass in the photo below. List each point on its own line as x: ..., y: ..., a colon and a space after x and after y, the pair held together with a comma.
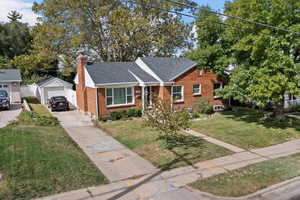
x: 42, y: 160
x: 296, y: 113
x: 37, y: 107
x: 246, y: 128
x: 252, y: 178
x: 163, y: 152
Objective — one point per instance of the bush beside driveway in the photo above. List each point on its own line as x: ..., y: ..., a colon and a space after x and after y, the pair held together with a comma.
x: 38, y: 160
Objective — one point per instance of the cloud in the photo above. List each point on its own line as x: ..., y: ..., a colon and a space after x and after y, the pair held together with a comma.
x: 22, y: 6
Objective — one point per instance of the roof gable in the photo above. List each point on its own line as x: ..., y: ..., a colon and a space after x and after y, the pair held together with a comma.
x: 103, y: 73
x: 52, y: 82
x: 168, y: 69
x: 10, y: 75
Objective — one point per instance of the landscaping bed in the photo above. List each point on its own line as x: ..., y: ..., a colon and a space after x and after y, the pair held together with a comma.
x: 248, y: 129
x: 163, y: 152
x: 37, y: 158
x: 252, y: 178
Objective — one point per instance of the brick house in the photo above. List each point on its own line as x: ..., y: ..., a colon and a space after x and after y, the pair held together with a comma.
x: 107, y: 86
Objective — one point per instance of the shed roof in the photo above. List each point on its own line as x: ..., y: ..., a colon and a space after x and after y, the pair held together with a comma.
x: 43, y: 82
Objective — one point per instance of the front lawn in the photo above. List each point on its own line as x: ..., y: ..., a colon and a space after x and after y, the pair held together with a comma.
x: 148, y: 143
x: 247, y: 129
x: 39, y: 160
x: 252, y: 178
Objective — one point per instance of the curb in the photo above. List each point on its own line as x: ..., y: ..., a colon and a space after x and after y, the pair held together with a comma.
x: 253, y: 196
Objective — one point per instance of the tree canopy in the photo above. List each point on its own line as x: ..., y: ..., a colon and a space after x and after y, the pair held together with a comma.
x: 266, y: 61
x: 15, y: 38
x: 111, y: 30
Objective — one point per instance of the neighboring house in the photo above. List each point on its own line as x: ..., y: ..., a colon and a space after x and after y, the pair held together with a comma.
x: 10, y: 80
x: 291, y: 100
x: 107, y: 86
x: 52, y: 86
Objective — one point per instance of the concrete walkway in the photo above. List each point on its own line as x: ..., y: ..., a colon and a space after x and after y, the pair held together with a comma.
x: 126, y: 168
x: 215, y: 141
x: 7, y: 116
x: 115, y: 160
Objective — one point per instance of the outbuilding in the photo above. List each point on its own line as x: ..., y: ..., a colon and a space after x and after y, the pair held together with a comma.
x: 50, y: 87
x: 10, y: 80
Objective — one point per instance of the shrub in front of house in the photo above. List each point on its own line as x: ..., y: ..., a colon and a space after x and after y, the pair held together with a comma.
x: 124, y: 114
x: 203, y: 106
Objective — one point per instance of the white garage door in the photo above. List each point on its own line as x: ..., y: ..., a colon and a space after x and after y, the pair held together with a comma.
x: 53, y: 91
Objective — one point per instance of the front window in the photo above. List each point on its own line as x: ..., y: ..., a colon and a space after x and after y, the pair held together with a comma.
x: 197, y: 89
x: 119, y: 96
x: 177, y: 92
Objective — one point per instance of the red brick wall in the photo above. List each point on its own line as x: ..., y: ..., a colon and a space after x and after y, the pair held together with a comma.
x: 164, y: 92
x: 104, y: 110
x: 81, y: 95
x: 91, y: 100
x: 207, y: 79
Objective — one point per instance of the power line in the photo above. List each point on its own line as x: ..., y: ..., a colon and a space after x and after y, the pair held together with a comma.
x: 193, y: 16
x: 236, y: 17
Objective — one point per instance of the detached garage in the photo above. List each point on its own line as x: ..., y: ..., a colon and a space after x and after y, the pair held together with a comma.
x: 50, y: 87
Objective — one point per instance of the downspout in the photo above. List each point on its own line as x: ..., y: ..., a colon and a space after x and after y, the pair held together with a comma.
x: 143, y: 99
x: 97, y: 106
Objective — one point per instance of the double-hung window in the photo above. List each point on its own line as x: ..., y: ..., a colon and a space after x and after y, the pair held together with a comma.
x: 119, y: 96
x: 196, y: 89
x: 177, y: 93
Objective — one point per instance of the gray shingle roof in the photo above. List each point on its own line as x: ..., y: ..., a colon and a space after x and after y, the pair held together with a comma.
x: 10, y: 75
x: 117, y: 72
x: 44, y: 80
x: 168, y: 69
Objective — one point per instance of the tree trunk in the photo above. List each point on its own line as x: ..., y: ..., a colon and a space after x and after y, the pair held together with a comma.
x: 279, y: 109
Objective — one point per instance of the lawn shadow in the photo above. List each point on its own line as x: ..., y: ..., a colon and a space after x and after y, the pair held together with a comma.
x: 257, y: 117
x: 180, y: 140
x: 173, y: 142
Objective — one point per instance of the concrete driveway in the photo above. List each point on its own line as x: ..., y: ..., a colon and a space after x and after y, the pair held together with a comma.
x: 6, y: 116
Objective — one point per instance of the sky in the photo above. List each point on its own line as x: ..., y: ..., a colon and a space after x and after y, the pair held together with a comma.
x: 24, y: 7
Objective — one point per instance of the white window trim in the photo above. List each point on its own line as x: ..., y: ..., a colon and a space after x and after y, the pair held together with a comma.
x: 117, y: 105
x: 200, y: 89
x: 221, y: 86
x: 182, y: 94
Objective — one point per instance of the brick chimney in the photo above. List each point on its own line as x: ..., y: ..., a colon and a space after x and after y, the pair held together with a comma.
x: 80, y: 87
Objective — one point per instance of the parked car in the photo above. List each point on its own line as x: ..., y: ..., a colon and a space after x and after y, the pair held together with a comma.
x: 4, y: 100
x: 59, y: 103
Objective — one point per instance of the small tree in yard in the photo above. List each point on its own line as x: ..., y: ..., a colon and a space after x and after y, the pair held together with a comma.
x: 166, y: 119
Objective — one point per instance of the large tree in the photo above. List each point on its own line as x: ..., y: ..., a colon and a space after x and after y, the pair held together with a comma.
x: 266, y: 61
x: 213, y: 43
x: 112, y: 30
